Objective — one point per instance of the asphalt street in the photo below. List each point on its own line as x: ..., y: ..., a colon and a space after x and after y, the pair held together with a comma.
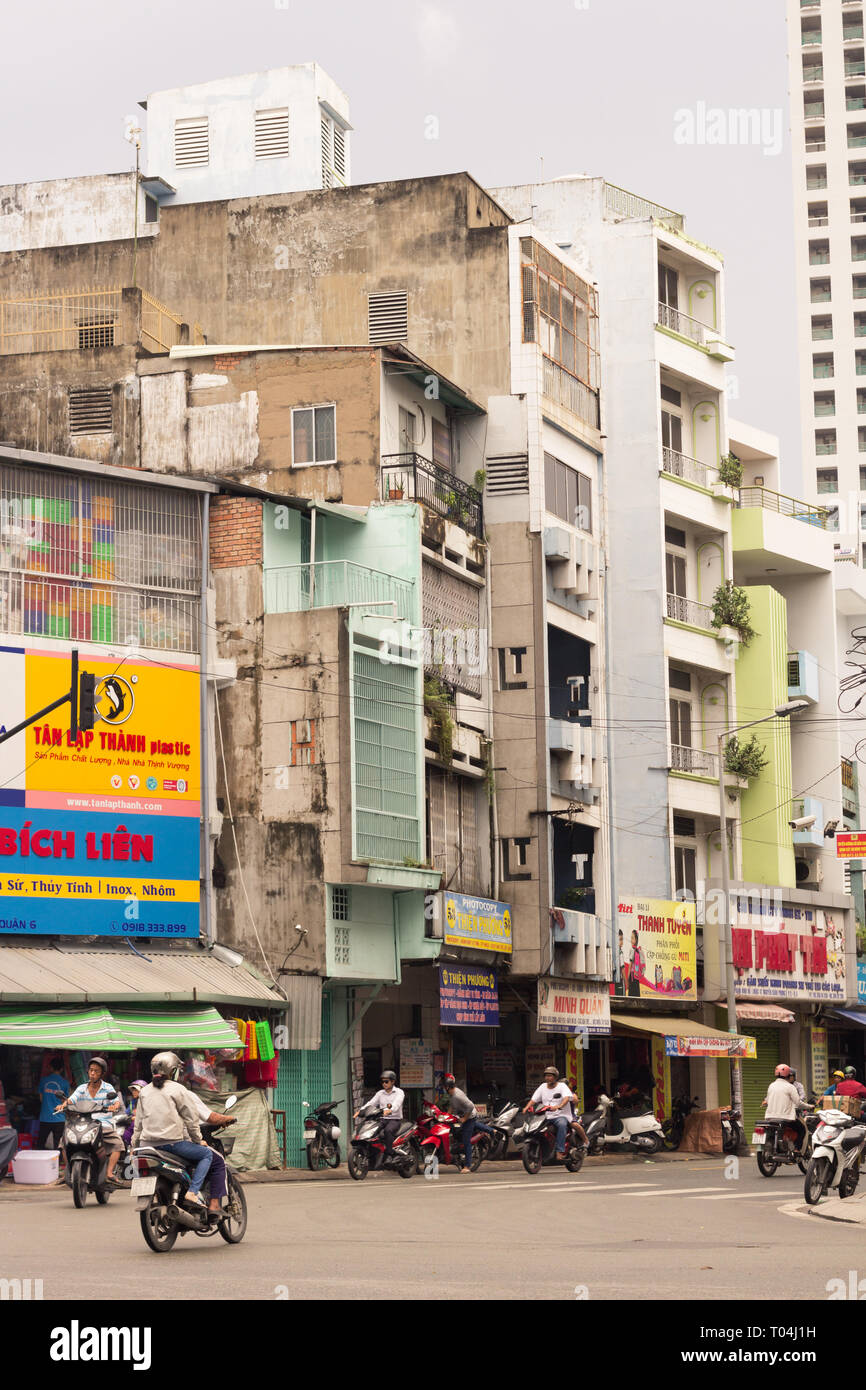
x: 643, y: 1230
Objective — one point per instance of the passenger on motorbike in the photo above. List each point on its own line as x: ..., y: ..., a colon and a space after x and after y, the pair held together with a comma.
x: 218, y: 1167
x: 96, y: 1087
x: 783, y: 1103
x: 461, y: 1106
x: 557, y: 1097
x: 835, y: 1078
x: 390, y: 1101
x: 165, y: 1113
x: 850, y: 1086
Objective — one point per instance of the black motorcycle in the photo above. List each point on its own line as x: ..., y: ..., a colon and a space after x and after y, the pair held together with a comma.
x: 503, y: 1124
x: 367, y: 1149
x: 674, y: 1128
x: 86, y: 1154
x: 537, y: 1142
x: 321, y: 1137
x: 777, y: 1143
x: 161, y: 1184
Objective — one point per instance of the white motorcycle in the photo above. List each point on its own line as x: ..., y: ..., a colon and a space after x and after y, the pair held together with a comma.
x: 609, y: 1127
x: 838, y: 1144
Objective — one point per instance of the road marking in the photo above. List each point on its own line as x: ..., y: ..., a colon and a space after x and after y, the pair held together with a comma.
x: 678, y: 1191
x: 739, y: 1197
x: 528, y: 1186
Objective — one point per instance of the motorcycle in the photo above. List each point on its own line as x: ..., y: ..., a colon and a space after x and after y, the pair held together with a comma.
x: 503, y: 1125
x: 732, y: 1131
x: 838, y: 1145
x: 86, y: 1154
x: 536, y: 1140
x: 433, y: 1133
x: 321, y: 1136
x: 777, y: 1142
x: 160, y: 1186
x: 367, y: 1149
x: 611, y: 1127
x: 674, y: 1128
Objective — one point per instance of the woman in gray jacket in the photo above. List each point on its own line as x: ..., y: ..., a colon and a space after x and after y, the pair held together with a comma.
x: 165, y: 1110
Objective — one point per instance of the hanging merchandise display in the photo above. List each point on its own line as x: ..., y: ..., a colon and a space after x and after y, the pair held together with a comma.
x: 264, y: 1041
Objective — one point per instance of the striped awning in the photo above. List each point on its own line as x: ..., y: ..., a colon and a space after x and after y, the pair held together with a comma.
x: 116, y: 1030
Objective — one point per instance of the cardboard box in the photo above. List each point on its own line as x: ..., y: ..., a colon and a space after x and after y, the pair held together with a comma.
x: 849, y: 1105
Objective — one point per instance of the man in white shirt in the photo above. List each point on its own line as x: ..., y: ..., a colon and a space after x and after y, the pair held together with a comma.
x: 556, y: 1095
x: 782, y: 1100
x: 390, y: 1101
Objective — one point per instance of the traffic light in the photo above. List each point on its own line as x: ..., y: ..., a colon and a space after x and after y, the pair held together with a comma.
x: 87, y: 715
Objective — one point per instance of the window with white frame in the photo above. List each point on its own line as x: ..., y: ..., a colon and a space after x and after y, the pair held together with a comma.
x: 314, y: 435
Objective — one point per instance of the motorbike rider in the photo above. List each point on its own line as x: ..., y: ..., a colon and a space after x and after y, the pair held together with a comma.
x: 798, y: 1086
x: 218, y: 1168
x: 460, y: 1105
x: 556, y: 1095
x: 390, y: 1101
x: 850, y: 1086
x: 96, y: 1087
x: 835, y: 1078
x: 164, y: 1114
x: 783, y: 1102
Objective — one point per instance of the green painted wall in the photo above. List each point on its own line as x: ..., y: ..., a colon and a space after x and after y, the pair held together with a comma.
x: 762, y: 684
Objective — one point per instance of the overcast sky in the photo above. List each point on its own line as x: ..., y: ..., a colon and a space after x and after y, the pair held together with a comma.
x: 592, y: 86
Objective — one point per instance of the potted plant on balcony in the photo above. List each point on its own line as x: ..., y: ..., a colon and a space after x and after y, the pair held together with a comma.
x: 395, y: 490
x: 732, y: 614
x: 745, y: 759
x: 437, y: 706
x: 730, y: 475
x: 571, y: 899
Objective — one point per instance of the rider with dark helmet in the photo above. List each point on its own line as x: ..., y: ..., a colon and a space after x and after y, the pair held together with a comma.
x: 97, y: 1087
x: 164, y: 1112
x: 390, y: 1101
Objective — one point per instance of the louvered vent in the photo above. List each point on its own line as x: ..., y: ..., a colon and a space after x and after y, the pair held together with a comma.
x: 793, y: 672
x: 327, y: 171
x: 684, y: 826
x: 340, y: 151
x: 506, y: 477
x: 388, y: 317
x: 90, y: 410
x: 272, y: 134
x: 191, y: 142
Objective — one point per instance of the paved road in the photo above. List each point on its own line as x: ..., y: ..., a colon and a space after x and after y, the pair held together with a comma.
x: 664, y: 1231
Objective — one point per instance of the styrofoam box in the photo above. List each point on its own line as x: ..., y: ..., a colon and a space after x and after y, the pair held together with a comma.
x: 36, y: 1166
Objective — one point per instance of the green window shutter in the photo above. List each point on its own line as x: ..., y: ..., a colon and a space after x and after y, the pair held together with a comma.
x: 386, y: 718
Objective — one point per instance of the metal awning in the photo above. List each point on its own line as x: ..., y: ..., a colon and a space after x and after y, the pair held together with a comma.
x: 685, y: 1038
x: 116, y: 1030
x: 750, y: 1011
x: 117, y: 976
x: 850, y: 1016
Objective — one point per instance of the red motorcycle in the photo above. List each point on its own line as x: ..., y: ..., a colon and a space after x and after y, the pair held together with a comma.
x: 433, y: 1134
x: 367, y: 1149
x: 537, y: 1142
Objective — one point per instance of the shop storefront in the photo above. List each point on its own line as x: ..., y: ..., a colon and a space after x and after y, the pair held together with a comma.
x: 655, y: 1054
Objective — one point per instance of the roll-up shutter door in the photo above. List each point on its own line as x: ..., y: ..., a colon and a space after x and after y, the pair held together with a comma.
x: 757, y: 1075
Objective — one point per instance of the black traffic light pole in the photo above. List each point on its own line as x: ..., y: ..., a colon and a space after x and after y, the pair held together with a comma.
x: 87, y: 684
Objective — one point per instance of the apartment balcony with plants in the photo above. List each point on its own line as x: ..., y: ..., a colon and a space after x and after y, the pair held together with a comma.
x: 697, y: 626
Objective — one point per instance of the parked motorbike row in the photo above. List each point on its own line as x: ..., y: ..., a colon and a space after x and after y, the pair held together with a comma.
x: 682, y: 1107
x: 829, y: 1152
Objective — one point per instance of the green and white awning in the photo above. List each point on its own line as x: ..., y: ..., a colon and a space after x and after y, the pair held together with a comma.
x: 116, y: 1030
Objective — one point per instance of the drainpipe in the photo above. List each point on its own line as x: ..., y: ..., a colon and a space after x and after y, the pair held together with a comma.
x: 207, y: 733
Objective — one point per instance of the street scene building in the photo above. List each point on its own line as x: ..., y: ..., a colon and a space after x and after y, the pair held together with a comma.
x: 483, y: 606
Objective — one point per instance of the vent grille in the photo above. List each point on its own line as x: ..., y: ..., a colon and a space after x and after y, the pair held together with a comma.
x: 685, y: 827
x: 90, y: 410
x: 388, y: 317
x: 272, y: 134
x: 340, y: 151
x: 507, y: 477
x: 340, y: 905
x: 793, y: 672
x: 191, y: 142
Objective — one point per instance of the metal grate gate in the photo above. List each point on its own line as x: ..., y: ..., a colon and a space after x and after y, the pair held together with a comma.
x: 304, y: 1076
x: 757, y: 1075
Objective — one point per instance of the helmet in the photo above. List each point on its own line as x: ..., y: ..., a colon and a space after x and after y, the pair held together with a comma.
x: 389, y: 1076
x: 166, y: 1064
x: 851, y: 1073
x: 99, y: 1062
x: 782, y: 1070
x: 551, y: 1071
x: 449, y: 1080
x: 838, y: 1076
x: 137, y: 1085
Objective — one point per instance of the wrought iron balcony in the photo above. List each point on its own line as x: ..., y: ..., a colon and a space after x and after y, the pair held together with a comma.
x: 333, y: 584
x: 681, y: 466
x: 686, y: 610
x: 694, y: 760
x: 412, y: 478
x: 786, y: 506
x: 683, y: 324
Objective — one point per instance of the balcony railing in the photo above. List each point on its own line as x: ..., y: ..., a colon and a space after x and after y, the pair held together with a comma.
x: 678, y: 322
x: 686, y: 610
x: 417, y: 479
x: 819, y: 258
x: 562, y: 386
x: 819, y: 221
x: 785, y: 506
x: 333, y: 584
x: 857, y: 68
x: 816, y: 146
x: 31, y: 606
x: 85, y: 319
x: 694, y: 760
x: 681, y: 466
x: 849, y: 33
x: 855, y: 103
x: 811, y: 37
x: 621, y: 203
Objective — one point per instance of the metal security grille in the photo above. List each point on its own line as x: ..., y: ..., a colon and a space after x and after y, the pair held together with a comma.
x: 304, y: 1076
x: 757, y: 1075
x: 272, y: 134
x: 191, y: 142
x: 507, y: 477
x: 385, y: 714
x: 98, y: 561
x: 340, y: 152
x: 341, y: 909
x: 453, y: 643
x: 90, y: 410
x: 48, y: 322
x: 452, y: 805
x: 388, y: 317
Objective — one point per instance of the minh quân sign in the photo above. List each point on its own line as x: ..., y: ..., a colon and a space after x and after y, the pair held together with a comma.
x: 99, y: 835
x: 572, y: 1006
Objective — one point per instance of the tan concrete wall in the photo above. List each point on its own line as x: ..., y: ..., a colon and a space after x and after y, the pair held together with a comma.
x: 34, y: 402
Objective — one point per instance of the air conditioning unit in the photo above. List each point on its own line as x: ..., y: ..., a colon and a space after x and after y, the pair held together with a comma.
x: 810, y: 872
